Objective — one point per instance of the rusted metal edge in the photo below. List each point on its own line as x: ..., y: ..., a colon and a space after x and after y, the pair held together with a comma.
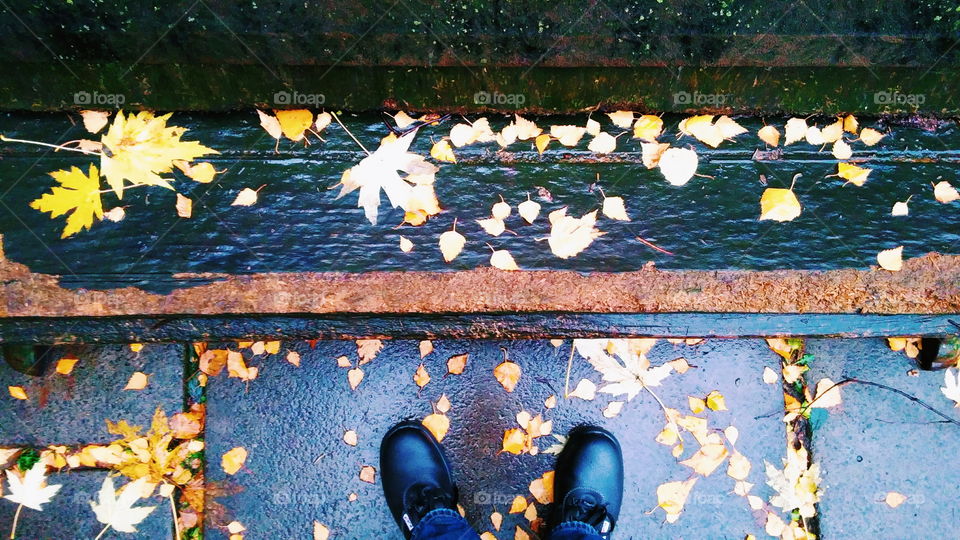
x: 927, y: 285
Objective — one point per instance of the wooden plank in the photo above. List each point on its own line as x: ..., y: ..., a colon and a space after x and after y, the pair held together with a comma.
x: 52, y: 330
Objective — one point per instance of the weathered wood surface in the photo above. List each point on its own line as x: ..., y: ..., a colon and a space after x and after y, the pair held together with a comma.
x: 564, y: 56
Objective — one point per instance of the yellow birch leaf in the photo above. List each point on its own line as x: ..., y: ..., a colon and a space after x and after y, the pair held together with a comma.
x: 945, y: 193
x: 138, y: 381
x: 501, y: 210
x: 680, y: 365
x: 17, y: 392
x: 672, y: 496
x: 406, y: 245
x: 842, y: 150
x: 603, y: 143
x: 426, y: 347
x: 814, y: 136
x: 678, y: 165
x: 891, y: 259
x: 487, y: 535
x: 668, y: 435
x: 855, y: 175
x: 518, y: 505
x: 93, y: 121
x: 496, y: 519
x: 651, y: 152
x: 529, y: 210
x: 707, y: 458
x: 550, y: 402
x: 270, y: 124
x: 769, y: 375
x: 354, y: 376
x: 402, y: 119
x: 294, y: 358
x: 567, y: 135
x: 833, y: 132
x: 368, y: 474
x: 421, y: 377
x: 585, y: 390
x: 530, y: 513
x: 184, y: 206
x: 323, y: 120
x: 456, y: 364
x: 894, y: 499
x: 850, y: 124
x: 441, y: 151
x: 612, y: 409
x: 514, y: 441
x: 320, y: 531
x: 542, y: 488
x: 716, y: 402
x: 792, y: 372
x: 443, y: 404
x: 451, y: 244
x: 900, y: 208
x: 738, y: 467
x: 526, y: 129
x: 245, y: 197
x: 614, y: 208
x: 795, y: 130
x: 507, y: 374
x: 769, y: 135
x: 293, y: 122
x: 870, y: 136
x: 438, y: 424
x: 233, y: 460
x: 697, y: 405
x: 621, y: 119
x: 350, y: 437
x: 647, y: 128
x: 492, y: 226
x: 501, y: 259
x: 729, y: 128
x: 732, y: 434
x: 115, y: 214
x: 541, y: 142
x: 827, y: 394
x: 65, y: 365
x: 592, y: 127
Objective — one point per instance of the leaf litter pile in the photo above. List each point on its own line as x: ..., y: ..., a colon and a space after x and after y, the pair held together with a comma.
x: 163, y: 465
x: 143, y: 150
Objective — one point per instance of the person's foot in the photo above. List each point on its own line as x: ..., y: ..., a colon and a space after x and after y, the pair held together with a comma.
x: 415, y: 474
x: 588, y: 485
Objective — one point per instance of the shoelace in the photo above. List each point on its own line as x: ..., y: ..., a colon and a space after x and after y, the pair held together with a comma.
x: 421, y: 499
x: 585, y: 509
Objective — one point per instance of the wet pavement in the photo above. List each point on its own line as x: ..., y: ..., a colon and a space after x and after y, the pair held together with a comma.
x: 292, y: 421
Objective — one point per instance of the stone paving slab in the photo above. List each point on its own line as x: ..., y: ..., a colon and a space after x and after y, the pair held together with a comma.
x: 72, y: 409
x: 877, y: 441
x: 291, y: 421
x: 68, y: 515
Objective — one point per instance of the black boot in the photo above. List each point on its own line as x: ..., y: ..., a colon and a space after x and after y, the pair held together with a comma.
x: 415, y: 473
x: 588, y: 486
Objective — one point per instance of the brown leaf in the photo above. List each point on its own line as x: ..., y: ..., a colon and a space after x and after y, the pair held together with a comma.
x: 212, y: 361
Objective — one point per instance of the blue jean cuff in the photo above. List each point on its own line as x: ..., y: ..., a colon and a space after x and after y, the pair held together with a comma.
x: 432, y: 515
x: 575, y: 526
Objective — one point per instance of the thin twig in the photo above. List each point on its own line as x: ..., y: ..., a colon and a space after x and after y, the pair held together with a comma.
x: 885, y: 387
x: 337, y: 118
x: 566, y: 384
x: 48, y: 145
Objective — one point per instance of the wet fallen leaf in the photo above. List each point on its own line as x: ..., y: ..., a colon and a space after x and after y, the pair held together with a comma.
x: 115, y: 214
x: 774, y: 525
x: 697, y: 405
x: 368, y: 474
x: 672, y: 496
x: 354, y: 376
x: 487, y: 535
x: 652, y: 152
x: 94, y: 121
x: 815, y: 136
x: 541, y: 142
x: 827, y: 394
x: 769, y: 375
x: 550, y: 402
x: 529, y: 210
x: 456, y: 364
x: 716, y: 401
x: 832, y: 132
x: 518, y: 505
x: 769, y: 135
x: 368, y: 349
x: 406, y: 245
x: 530, y: 513
x: 507, y: 374
x: 246, y: 197
x: 870, y: 136
x: 520, y: 534
x: 668, y: 435
x: 585, y: 390
x: 569, y: 235
x: 320, y: 531
x: 270, y: 124
x: 842, y: 150
x: 621, y: 119
x: 451, y: 244
x: 236, y: 367
x: 233, y: 460
x: 742, y: 488
x: 679, y: 365
x: 853, y: 174
x: 793, y: 372
x: 732, y: 434
x: 426, y: 347
x: 294, y: 122
x: 502, y: 260
x: 850, y: 124
x: 542, y: 488
x: 138, y: 381
x: 891, y: 259
x: 678, y: 165
x: 421, y: 377
x: 795, y: 130
x: 648, y: 127
x: 603, y: 143
x: 441, y: 151
x: 729, y: 128
x: 514, y: 441
x: 702, y: 127
x: 496, y: 519
x: 613, y: 208
x: 443, y: 404
x: 65, y: 365
x: 894, y: 499
x: 900, y: 208
x: 350, y: 437
x: 568, y: 135
x: 438, y: 424
x: 592, y: 127
x: 78, y: 194
x: 613, y: 409
x: 492, y: 226
x: 119, y: 512
x: 779, y: 204
x: 738, y: 467
x: 945, y: 193
x: 707, y: 458
x: 294, y: 358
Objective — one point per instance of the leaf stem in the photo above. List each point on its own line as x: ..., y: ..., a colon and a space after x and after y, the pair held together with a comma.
x: 104, y: 531
x: 16, y: 517
x: 566, y: 384
x: 176, y: 519
x: 337, y: 118
x: 48, y: 145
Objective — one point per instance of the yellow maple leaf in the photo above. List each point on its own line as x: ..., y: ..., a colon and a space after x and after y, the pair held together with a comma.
x: 140, y: 147
x: 77, y: 194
